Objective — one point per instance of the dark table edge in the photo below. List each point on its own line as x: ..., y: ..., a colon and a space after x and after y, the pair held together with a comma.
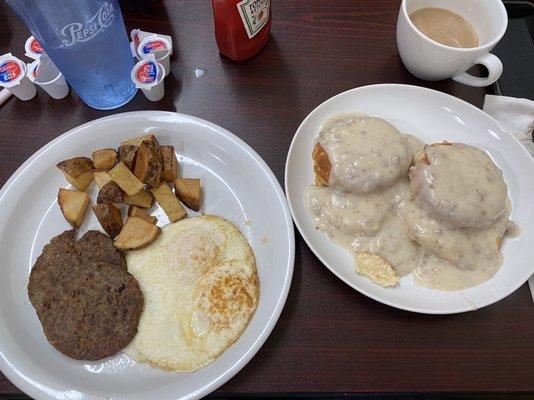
x: 349, y: 395
x: 373, y: 395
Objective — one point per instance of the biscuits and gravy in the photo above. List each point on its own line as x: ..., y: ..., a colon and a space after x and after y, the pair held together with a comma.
x: 438, y: 211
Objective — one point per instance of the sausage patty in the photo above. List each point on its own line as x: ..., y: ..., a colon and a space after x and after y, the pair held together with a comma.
x: 89, y: 308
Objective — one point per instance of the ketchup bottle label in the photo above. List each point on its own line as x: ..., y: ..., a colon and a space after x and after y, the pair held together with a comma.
x: 254, y: 14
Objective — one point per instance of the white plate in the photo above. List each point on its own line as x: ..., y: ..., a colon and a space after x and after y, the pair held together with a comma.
x: 237, y: 185
x: 433, y: 116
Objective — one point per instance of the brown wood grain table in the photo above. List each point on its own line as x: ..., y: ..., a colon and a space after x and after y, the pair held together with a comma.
x: 330, y: 338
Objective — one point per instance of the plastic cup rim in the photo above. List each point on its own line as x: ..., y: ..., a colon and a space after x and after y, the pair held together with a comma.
x: 53, y: 80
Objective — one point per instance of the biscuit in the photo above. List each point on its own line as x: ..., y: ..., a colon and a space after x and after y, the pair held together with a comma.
x: 376, y: 269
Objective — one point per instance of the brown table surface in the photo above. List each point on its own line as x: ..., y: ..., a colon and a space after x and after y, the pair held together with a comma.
x: 330, y: 338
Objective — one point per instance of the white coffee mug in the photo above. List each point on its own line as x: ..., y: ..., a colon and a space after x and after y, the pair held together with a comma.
x: 433, y: 61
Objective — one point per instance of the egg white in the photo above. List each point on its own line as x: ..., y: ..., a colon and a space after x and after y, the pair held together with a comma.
x: 200, y: 287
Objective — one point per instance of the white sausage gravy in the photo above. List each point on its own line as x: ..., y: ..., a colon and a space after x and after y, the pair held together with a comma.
x: 442, y: 219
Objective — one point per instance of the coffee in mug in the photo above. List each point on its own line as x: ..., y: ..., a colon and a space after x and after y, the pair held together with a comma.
x: 445, y: 27
x: 440, y: 39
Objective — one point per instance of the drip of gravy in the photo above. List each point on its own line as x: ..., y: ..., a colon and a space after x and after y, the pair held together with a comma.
x: 365, y: 222
x: 454, y: 259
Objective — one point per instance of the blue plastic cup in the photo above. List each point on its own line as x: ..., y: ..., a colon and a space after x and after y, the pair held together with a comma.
x: 87, y: 41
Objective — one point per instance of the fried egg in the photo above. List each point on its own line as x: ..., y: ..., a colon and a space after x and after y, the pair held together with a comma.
x: 201, y: 288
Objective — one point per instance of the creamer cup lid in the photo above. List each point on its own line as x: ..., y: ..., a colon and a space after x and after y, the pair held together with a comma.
x: 12, y: 70
x: 153, y: 43
x: 32, y: 70
x: 33, y: 48
x: 137, y: 35
x: 147, y: 73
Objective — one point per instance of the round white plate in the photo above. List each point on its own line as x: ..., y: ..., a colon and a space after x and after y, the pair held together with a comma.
x: 237, y: 185
x: 433, y: 116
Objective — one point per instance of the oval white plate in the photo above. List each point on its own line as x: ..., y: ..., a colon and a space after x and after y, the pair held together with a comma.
x: 433, y: 116
x: 237, y: 184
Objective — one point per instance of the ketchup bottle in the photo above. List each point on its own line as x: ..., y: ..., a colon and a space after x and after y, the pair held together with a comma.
x: 242, y: 27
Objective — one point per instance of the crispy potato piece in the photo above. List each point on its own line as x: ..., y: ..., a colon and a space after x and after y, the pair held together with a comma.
x: 101, y: 178
x: 127, y: 155
x: 136, y: 234
x: 134, y: 211
x: 169, y: 202
x: 73, y: 204
x: 169, y: 163
x: 188, y: 191
x: 110, y: 193
x: 125, y: 179
x: 78, y: 171
x: 140, y: 139
x: 147, y: 165
x: 104, y: 159
x: 142, y: 199
x: 109, y: 217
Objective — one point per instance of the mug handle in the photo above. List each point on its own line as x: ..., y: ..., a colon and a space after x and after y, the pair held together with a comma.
x: 494, y: 66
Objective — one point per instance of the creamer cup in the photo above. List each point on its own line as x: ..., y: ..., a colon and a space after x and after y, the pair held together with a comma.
x: 33, y: 48
x: 32, y: 70
x: 137, y: 35
x: 46, y: 75
x: 156, y: 47
x: 13, y: 77
x: 148, y: 76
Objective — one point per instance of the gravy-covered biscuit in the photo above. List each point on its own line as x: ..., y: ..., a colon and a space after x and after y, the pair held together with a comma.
x: 361, y: 154
x: 459, y: 185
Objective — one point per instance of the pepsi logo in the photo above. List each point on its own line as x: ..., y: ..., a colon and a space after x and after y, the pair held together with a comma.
x: 78, y: 32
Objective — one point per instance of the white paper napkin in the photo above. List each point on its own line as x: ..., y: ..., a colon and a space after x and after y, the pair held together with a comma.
x: 517, y: 115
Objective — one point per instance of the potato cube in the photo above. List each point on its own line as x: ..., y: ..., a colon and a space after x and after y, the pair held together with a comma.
x: 169, y: 202
x: 147, y: 165
x: 104, y: 159
x: 73, y: 204
x: 109, y: 217
x: 110, y: 193
x: 101, y: 178
x: 138, y: 140
x: 169, y: 163
x: 188, y: 191
x: 78, y: 171
x: 136, y: 234
x: 127, y: 155
x: 134, y: 211
x: 125, y: 179
x: 142, y: 199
